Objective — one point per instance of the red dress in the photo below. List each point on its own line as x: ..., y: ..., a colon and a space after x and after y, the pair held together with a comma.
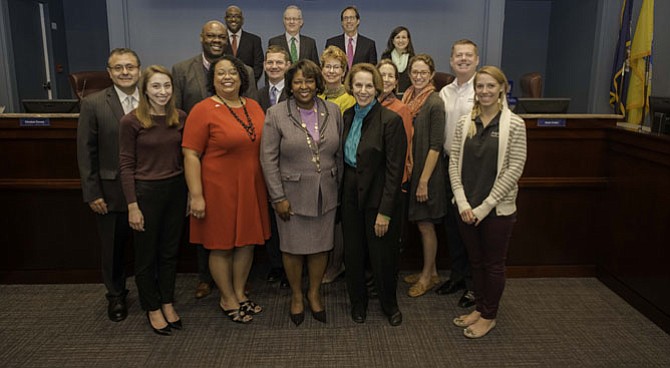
x: 236, y: 205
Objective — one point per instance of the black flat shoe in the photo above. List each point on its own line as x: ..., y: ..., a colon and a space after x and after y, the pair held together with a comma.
x: 116, y: 309
x: 450, y: 287
x: 395, y: 319
x: 358, y: 317
x: 467, y: 300
x: 165, y: 331
x: 298, y: 318
x: 177, y: 325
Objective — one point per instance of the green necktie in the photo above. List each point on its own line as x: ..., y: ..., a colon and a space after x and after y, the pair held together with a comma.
x: 294, y: 51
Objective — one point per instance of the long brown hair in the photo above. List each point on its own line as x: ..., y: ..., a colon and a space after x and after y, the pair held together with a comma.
x: 143, y: 111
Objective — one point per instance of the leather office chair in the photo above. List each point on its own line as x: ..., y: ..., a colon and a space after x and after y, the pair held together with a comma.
x: 441, y: 79
x: 85, y: 83
x: 531, y: 85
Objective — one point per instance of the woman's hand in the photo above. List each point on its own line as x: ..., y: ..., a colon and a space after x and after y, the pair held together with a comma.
x: 283, y: 209
x: 198, y: 207
x: 381, y: 225
x: 469, y: 217
x: 135, y: 217
x: 422, y: 191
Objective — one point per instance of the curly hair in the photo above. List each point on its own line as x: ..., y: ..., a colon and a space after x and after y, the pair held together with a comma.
x: 241, y: 71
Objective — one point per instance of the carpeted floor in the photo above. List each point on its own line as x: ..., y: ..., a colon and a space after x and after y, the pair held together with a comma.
x: 542, y: 323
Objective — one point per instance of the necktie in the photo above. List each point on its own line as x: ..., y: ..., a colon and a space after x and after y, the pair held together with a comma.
x: 128, y: 105
x: 273, y: 96
x: 234, y: 45
x: 294, y: 51
x: 350, y: 51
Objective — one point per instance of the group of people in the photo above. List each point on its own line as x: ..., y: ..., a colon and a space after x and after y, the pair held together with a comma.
x: 324, y: 165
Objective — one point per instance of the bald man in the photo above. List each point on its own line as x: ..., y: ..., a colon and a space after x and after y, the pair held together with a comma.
x: 190, y: 76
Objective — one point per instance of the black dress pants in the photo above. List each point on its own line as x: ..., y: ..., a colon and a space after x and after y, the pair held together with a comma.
x: 458, y: 254
x: 114, y: 234
x: 163, y: 205
x: 360, y: 242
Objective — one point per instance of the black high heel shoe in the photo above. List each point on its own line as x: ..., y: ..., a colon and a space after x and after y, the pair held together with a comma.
x: 320, y: 315
x: 298, y: 318
x: 177, y: 325
x: 165, y: 331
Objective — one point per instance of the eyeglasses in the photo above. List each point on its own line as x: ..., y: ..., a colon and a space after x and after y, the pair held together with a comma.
x: 292, y: 19
x: 349, y: 17
x: 333, y: 67
x: 119, y: 68
x: 422, y: 73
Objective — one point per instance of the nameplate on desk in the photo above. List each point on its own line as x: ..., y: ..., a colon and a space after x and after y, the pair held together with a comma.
x: 34, y: 122
x: 560, y: 123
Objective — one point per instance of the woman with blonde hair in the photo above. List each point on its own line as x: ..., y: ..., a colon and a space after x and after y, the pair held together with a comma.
x: 487, y: 159
x: 152, y: 176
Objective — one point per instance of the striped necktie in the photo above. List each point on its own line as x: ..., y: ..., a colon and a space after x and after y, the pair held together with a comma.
x: 294, y: 51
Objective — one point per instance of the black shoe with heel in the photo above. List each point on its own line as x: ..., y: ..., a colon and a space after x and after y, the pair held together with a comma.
x: 165, y: 331
x: 297, y: 318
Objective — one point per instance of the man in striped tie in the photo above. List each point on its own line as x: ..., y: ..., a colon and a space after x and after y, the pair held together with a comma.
x: 299, y: 46
x: 359, y: 49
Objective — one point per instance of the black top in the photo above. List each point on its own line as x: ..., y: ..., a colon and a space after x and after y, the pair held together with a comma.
x: 480, y: 162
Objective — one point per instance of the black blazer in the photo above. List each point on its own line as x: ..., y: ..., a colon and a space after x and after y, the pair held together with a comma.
x: 380, y: 158
x: 307, y: 47
x: 98, y: 148
x: 366, y: 51
x: 250, y: 51
x: 262, y: 96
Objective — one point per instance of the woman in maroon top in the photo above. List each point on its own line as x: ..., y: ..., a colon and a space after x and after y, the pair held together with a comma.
x: 152, y: 176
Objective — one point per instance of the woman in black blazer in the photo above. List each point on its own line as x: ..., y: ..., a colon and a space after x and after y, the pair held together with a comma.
x: 374, y: 156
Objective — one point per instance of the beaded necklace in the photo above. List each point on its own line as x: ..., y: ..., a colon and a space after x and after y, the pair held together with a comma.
x: 249, y: 127
x: 313, y: 146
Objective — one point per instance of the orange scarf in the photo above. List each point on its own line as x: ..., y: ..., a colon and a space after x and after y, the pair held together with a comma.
x: 415, y: 102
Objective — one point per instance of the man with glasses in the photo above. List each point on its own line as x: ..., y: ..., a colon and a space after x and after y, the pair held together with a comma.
x: 359, y: 49
x: 299, y: 46
x: 190, y: 86
x: 243, y: 45
x: 98, y: 159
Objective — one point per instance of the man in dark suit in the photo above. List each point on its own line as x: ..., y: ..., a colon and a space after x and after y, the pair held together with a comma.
x: 299, y: 46
x: 190, y: 76
x: 359, y: 49
x: 243, y: 45
x: 190, y: 86
x: 277, y: 62
x: 98, y: 159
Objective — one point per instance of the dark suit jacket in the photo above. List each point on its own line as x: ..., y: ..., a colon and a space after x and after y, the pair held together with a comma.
x: 262, y: 96
x: 250, y: 51
x: 307, y: 47
x: 380, y: 158
x: 190, y: 83
x: 366, y: 51
x: 98, y: 148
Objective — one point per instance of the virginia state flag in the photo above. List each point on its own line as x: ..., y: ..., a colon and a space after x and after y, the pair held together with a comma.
x: 639, y: 86
x: 620, y: 70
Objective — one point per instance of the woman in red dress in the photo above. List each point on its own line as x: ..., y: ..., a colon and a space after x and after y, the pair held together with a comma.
x: 229, y: 213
